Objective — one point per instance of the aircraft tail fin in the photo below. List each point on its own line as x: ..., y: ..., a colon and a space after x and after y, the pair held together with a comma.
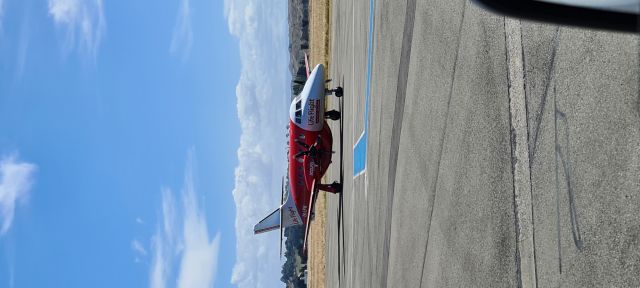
x: 283, y: 217
x: 290, y: 215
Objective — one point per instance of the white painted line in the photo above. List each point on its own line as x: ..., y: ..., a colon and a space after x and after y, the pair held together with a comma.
x: 521, y: 168
x: 359, y: 138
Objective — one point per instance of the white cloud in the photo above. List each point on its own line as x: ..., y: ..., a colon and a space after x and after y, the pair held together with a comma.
x: 83, y: 22
x: 263, y: 93
x: 182, y: 39
x: 139, y: 221
x: 182, y: 236
x: 16, y: 179
x: 138, y: 247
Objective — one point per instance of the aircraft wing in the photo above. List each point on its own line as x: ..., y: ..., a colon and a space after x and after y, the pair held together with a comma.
x: 306, y: 65
x: 312, y: 203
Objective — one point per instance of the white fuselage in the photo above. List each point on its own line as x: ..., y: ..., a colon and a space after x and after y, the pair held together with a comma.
x: 307, y: 110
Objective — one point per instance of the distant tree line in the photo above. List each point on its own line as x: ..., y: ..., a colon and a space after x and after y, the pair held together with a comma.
x: 295, y: 259
x: 298, y: 43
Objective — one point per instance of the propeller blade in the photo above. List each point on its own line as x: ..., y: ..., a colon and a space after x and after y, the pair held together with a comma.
x: 300, y: 154
x: 301, y: 143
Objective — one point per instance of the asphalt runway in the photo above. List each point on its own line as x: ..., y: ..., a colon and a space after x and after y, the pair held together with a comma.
x: 439, y: 201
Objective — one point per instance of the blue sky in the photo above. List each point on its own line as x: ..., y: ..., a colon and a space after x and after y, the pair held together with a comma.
x: 137, y: 143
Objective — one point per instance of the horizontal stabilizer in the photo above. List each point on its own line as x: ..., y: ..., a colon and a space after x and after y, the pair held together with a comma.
x: 269, y: 223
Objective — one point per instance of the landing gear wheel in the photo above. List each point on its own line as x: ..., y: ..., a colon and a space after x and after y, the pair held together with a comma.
x: 333, y: 115
x: 338, y: 91
x: 337, y: 186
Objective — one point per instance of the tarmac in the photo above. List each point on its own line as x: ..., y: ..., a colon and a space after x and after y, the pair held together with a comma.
x: 495, y: 153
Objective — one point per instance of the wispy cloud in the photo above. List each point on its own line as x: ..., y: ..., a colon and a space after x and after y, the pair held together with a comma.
x: 182, y: 39
x: 182, y: 237
x: 16, y: 178
x: 262, y: 92
x: 139, y: 250
x: 138, y: 247
x: 83, y: 23
x: 1, y: 12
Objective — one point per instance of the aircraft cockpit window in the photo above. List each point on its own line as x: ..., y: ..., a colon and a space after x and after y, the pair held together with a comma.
x: 299, y: 116
x: 298, y: 105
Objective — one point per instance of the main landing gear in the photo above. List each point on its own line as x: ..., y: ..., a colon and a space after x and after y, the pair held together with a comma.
x: 335, y: 187
x: 333, y: 115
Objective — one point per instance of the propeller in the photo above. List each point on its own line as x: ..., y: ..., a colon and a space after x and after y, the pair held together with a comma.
x: 312, y: 150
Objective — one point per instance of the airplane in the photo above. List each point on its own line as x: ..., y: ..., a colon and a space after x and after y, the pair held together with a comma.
x: 309, y: 155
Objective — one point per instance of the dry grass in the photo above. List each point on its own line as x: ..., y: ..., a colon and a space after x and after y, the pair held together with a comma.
x: 316, y: 260
x: 320, y: 33
x: 320, y: 44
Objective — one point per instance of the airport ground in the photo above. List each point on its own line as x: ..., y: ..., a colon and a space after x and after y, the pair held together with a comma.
x: 499, y: 153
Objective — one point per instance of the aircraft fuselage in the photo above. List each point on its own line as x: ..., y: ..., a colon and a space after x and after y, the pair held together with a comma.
x: 307, y: 124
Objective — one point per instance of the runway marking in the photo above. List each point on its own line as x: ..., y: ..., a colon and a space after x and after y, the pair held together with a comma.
x: 520, y: 155
x: 360, y: 148
x: 398, y: 114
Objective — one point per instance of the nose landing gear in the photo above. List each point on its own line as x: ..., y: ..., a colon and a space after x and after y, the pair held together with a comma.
x: 338, y: 92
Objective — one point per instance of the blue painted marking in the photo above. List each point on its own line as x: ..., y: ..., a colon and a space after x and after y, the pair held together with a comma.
x: 360, y: 149
x: 360, y: 155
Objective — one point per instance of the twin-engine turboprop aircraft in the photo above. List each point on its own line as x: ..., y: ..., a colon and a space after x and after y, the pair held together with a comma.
x: 309, y: 155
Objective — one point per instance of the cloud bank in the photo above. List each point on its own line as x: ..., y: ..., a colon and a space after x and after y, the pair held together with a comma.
x: 263, y: 93
x: 16, y: 178
x: 182, y: 39
x: 182, y: 238
x: 83, y: 22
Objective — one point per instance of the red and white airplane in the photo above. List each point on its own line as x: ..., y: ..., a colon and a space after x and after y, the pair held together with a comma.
x: 309, y: 155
